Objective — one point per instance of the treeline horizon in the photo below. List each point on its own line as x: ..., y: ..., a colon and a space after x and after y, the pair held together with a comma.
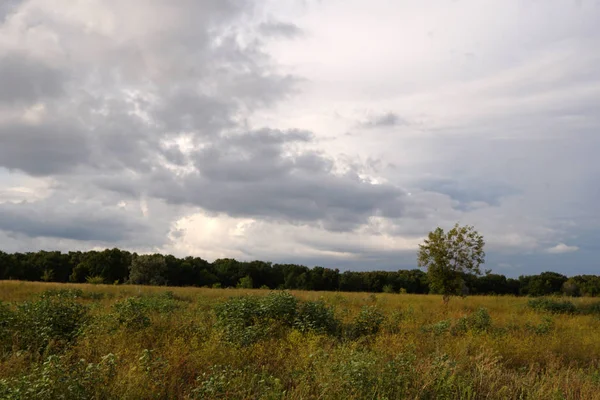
x: 115, y: 266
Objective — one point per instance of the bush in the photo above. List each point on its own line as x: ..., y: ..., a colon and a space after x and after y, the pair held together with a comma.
x: 480, y: 320
x: 55, y: 379
x: 317, y: 317
x: 279, y: 306
x: 367, y: 322
x: 223, y: 382
x: 388, y: 289
x: 592, y: 308
x: 131, y: 314
x: 240, y: 320
x: 52, y: 318
x: 553, y: 306
x: 62, y: 293
x: 94, y: 280
x: 247, y: 319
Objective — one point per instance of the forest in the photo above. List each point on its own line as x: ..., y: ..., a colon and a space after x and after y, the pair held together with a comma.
x: 115, y: 266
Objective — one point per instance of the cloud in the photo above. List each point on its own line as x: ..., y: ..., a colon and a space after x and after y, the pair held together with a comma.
x: 386, y: 120
x: 25, y: 79
x: 283, y: 29
x: 562, y: 248
x: 118, y: 131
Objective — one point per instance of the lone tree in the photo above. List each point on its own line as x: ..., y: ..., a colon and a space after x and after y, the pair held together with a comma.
x: 447, y: 256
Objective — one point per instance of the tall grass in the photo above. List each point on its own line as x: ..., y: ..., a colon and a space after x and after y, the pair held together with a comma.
x: 129, y: 342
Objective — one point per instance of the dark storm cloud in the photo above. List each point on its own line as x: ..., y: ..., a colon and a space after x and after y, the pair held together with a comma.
x: 24, y: 79
x: 284, y: 29
x: 259, y: 174
x: 54, y: 148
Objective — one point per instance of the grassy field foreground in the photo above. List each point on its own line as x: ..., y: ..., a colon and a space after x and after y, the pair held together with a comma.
x: 66, y: 341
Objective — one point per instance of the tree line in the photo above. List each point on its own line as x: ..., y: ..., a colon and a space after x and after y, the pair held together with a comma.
x: 120, y: 267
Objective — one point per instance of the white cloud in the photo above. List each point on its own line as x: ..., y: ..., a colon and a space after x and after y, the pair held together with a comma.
x: 562, y: 248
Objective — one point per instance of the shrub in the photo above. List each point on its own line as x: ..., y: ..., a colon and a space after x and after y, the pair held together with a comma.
x: 553, y: 306
x: 62, y: 293
x: 131, y: 314
x: 316, y: 316
x: 543, y: 328
x: 239, y: 318
x: 245, y: 283
x: 55, y: 379
x: 592, y: 308
x: 223, y: 382
x: 52, y: 318
x: 279, y: 306
x: 388, y: 289
x: 94, y: 280
x: 480, y: 320
x: 367, y: 322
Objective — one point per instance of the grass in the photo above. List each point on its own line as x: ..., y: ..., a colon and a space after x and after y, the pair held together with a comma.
x: 142, y: 342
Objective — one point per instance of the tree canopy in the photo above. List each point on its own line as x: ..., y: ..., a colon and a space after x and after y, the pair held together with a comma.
x: 450, y: 255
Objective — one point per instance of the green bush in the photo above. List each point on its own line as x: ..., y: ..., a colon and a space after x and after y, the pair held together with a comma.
x: 367, y: 322
x: 62, y: 293
x: 240, y: 320
x: 247, y: 319
x: 553, y: 306
x: 279, y: 306
x: 317, y: 317
x: 592, y: 308
x: 94, y: 280
x: 56, y: 380
x: 131, y: 313
x: 225, y: 382
x: 56, y: 318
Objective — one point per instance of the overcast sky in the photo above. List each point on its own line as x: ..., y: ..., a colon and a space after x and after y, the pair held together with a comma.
x: 334, y: 133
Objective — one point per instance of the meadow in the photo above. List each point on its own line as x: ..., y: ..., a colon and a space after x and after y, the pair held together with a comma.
x: 83, y: 341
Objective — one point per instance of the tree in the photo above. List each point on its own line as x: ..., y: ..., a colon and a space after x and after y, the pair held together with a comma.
x: 447, y: 256
x: 148, y: 270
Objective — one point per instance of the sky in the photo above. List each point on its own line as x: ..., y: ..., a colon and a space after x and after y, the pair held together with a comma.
x: 333, y: 133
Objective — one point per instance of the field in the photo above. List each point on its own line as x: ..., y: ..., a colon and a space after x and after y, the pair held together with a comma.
x: 69, y: 341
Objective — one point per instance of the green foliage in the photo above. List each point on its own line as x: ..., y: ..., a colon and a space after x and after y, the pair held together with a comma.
x: 7, y: 318
x: 226, y: 382
x: 62, y: 294
x: 479, y: 321
x: 57, y: 380
x: 438, y: 328
x: 240, y: 320
x: 543, y: 328
x: 279, y: 306
x: 247, y: 319
x: 95, y: 280
x: 388, y: 289
x: 148, y: 270
x: 553, y: 306
x: 368, y: 322
x: 590, y: 308
x: 245, y: 283
x: 131, y: 313
x: 57, y: 318
x: 47, y: 275
x: 447, y: 256
x: 317, y: 317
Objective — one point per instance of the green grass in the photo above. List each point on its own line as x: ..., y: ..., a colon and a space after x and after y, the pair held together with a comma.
x: 142, y: 342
